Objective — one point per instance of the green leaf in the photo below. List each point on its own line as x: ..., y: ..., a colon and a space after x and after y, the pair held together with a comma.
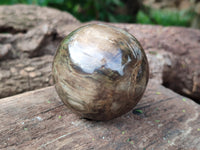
x: 25, y: 129
x: 158, y: 93
x: 184, y: 99
x: 138, y: 110
x: 157, y: 121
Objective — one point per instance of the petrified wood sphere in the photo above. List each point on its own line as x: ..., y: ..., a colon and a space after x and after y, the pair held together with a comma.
x: 100, y: 71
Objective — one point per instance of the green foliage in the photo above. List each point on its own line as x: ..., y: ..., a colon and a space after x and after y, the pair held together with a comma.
x: 165, y: 17
x: 84, y: 10
x: 36, y: 2
x: 143, y: 18
x: 106, y: 10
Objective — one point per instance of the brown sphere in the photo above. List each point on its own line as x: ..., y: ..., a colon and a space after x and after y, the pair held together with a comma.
x: 100, y: 71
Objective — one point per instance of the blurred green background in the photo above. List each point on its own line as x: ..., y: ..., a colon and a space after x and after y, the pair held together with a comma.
x: 130, y: 11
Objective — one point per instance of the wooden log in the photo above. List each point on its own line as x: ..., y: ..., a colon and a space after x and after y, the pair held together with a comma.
x: 39, y: 120
x: 20, y: 18
x: 25, y: 33
x: 20, y: 75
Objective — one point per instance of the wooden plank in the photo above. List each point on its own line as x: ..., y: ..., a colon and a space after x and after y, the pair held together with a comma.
x: 39, y: 120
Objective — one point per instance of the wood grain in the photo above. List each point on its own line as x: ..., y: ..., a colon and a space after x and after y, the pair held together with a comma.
x: 39, y: 120
x: 100, y: 71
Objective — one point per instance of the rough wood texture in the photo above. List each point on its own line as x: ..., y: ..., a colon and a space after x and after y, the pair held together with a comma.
x: 28, y: 41
x: 182, y: 75
x: 39, y: 120
x: 174, y: 51
x: 20, y: 18
x: 17, y: 76
x: 168, y: 49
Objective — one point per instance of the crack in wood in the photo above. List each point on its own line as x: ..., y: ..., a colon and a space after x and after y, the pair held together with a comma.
x: 60, y: 137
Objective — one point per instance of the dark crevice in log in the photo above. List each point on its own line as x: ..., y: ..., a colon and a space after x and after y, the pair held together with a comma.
x: 11, y: 30
x: 51, y: 41
x: 171, y: 79
x: 182, y: 78
x: 176, y: 90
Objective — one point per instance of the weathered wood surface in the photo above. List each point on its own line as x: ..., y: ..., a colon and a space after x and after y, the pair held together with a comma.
x: 20, y: 18
x: 28, y: 74
x: 26, y: 35
x: 39, y: 120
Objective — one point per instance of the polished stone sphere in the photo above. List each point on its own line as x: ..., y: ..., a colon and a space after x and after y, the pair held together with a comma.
x: 100, y: 71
